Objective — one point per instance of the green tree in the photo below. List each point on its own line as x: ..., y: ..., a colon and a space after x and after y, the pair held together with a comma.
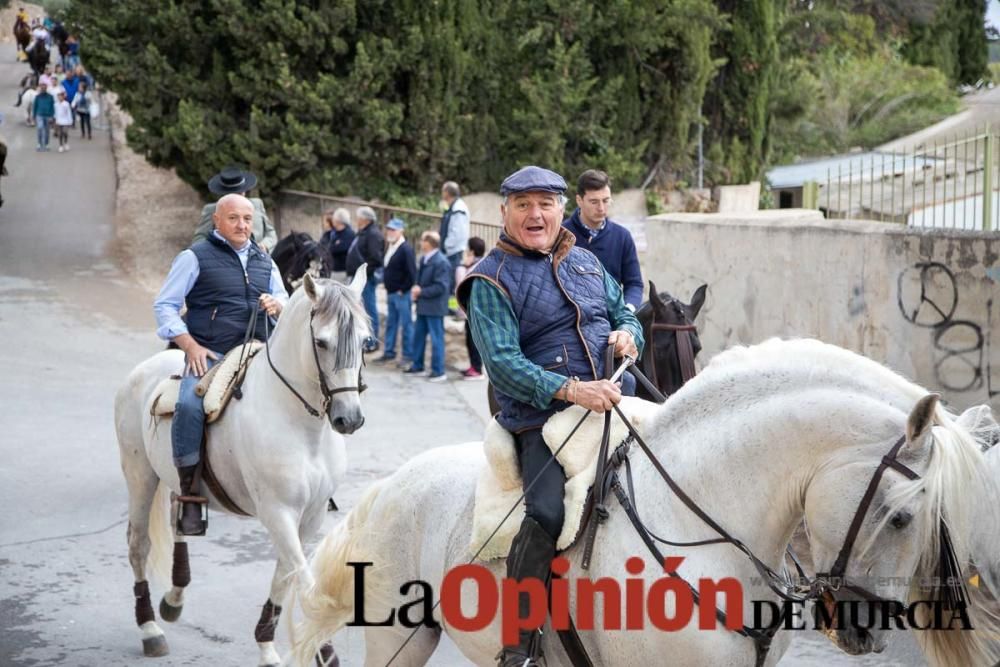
x: 953, y: 40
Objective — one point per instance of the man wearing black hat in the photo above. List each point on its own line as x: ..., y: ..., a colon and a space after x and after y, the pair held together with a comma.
x: 542, y: 312
x: 233, y: 179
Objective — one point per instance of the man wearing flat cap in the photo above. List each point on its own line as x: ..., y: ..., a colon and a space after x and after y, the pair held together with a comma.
x: 234, y: 180
x: 542, y: 313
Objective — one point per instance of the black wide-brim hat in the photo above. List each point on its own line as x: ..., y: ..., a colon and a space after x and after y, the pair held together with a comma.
x: 232, y: 179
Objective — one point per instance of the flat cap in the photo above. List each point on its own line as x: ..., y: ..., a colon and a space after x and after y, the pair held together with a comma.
x: 533, y: 179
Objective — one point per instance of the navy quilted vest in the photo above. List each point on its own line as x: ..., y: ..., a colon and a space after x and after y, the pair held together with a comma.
x: 562, y: 313
x: 224, y: 297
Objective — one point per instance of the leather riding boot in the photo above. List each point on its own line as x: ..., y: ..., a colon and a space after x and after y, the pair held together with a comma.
x: 190, y: 521
x: 531, y: 555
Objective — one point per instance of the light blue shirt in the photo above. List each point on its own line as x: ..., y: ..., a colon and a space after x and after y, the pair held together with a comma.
x: 183, y: 274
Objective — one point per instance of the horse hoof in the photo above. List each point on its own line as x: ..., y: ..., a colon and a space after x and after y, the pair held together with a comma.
x: 168, y: 612
x: 155, y: 647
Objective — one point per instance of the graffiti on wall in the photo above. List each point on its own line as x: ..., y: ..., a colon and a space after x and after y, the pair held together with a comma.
x: 928, y: 297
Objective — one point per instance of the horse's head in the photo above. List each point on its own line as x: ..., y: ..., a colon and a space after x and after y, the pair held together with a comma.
x: 331, y: 325
x: 298, y: 255
x: 894, y: 523
x: 665, y: 320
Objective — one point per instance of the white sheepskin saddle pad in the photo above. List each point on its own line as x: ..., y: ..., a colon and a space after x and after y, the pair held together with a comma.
x: 216, y: 386
x: 499, y: 485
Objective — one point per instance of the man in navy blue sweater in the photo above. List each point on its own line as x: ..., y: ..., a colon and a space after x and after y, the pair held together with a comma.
x: 611, y: 242
x: 400, y: 274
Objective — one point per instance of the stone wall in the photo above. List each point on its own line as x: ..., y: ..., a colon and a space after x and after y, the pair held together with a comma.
x: 921, y: 301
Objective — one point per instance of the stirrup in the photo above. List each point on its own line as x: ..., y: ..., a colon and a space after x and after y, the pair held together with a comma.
x: 202, y: 504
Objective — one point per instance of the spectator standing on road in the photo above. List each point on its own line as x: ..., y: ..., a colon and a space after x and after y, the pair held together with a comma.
x: 337, y: 239
x: 44, y: 110
x: 82, y: 102
x: 70, y: 85
x: 64, y: 120
x: 611, y: 242
x: 475, y: 253
x: 431, y: 294
x: 454, y: 227
x: 399, y: 277
x: 367, y: 247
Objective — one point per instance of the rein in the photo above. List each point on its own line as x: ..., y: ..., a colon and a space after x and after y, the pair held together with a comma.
x: 685, y: 352
x: 325, y: 389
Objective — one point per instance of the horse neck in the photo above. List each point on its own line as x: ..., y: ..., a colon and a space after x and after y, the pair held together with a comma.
x: 748, y: 461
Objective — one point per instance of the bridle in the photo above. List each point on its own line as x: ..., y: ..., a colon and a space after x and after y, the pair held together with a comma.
x: 685, y: 344
x: 324, y: 388
x: 821, y: 587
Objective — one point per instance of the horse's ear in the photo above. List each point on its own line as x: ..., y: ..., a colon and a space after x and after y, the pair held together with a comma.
x: 311, y: 288
x: 360, y: 279
x: 921, y: 418
x: 698, y: 300
x: 654, y: 296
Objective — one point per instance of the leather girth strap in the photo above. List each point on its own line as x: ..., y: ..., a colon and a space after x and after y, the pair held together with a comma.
x: 212, y: 482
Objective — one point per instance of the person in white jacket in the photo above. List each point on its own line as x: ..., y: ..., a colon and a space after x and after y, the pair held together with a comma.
x: 64, y: 120
x: 454, y: 227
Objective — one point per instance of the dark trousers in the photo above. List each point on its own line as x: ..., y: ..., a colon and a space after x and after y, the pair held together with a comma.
x: 544, y: 501
x: 475, y: 360
x: 85, y: 130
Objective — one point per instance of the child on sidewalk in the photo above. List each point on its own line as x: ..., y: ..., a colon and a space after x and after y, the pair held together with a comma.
x: 475, y: 252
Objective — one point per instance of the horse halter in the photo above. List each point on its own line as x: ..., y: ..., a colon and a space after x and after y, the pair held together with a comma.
x: 685, y: 346
x: 324, y: 388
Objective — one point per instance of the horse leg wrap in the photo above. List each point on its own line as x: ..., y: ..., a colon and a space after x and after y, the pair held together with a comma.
x: 264, y: 632
x: 181, y: 573
x: 143, y: 605
x: 327, y: 657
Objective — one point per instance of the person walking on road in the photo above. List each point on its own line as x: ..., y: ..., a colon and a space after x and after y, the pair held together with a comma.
x: 44, y: 110
x: 64, y: 120
x: 82, y: 103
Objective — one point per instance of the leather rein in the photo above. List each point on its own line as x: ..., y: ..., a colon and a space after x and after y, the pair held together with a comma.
x: 685, y: 348
x: 823, y: 585
x: 324, y: 388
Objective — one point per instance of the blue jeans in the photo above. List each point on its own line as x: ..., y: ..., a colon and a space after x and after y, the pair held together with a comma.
x: 368, y: 298
x: 455, y: 261
x: 188, y: 424
x: 43, y: 130
x: 433, y: 325
x: 399, y: 318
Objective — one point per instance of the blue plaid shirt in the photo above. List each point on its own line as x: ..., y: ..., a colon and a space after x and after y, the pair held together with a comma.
x: 496, y: 333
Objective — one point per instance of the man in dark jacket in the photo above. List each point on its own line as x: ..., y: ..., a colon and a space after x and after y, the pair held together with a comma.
x: 611, y: 242
x: 337, y: 240
x: 431, y: 293
x: 367, y: 247
x: 221, y: 280
x: 399, y: 277
x: 43, y: 110
x: 543, y: 312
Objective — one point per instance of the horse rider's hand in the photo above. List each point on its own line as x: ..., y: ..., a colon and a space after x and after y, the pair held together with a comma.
x: 270, y: 305
x: 624, y: 344
x: 415, y: 291
x: 598, y: 396
x: 197, y: 358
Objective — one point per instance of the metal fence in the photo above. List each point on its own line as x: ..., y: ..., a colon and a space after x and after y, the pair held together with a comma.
x: 949, y: 184
x: 303, y: 212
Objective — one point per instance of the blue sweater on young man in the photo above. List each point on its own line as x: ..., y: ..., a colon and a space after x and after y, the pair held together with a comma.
x: 614, y: 246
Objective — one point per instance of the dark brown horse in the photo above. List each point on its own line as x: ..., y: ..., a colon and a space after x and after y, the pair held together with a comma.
x: 22, y: 34
x: 38, y: 57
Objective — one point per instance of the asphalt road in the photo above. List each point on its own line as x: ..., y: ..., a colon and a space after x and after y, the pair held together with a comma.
x: 72, y: 326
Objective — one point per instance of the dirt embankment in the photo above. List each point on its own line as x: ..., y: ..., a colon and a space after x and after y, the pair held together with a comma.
x: 155, y: 211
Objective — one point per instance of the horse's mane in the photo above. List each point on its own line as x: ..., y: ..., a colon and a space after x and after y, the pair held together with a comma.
x: 336, y: 304
x: 954, y: 486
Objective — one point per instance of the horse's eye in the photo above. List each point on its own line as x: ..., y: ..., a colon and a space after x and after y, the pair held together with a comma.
x: 321, y: 344
x: 901, y: 520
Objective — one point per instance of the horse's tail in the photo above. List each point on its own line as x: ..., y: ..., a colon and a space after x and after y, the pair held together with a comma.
x: 328, y: 602
x: 161, y: 536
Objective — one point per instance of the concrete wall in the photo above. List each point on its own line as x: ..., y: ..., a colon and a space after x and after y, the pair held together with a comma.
x: 921, y: 301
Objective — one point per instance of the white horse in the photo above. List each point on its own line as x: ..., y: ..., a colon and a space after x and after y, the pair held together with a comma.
x: 763, y: 438
x: 273, y: 459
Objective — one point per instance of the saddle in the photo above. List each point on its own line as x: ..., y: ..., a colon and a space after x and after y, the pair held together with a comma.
x: 499, y: 485
x: 216, y: 386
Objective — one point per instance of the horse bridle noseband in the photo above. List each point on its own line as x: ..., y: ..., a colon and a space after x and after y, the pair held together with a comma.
x: 324, y: 388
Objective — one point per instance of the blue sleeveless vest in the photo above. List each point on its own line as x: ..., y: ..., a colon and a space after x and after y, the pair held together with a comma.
x: 224, y: 297
x: 561, y: 308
